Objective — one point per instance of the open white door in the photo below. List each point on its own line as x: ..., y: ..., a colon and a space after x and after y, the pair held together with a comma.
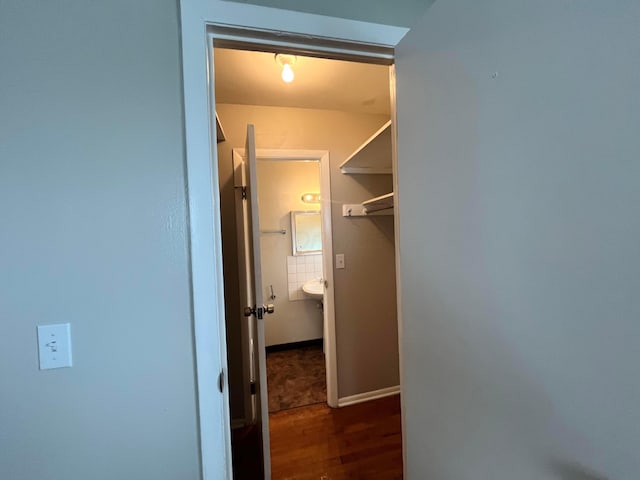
x: 251, y: 293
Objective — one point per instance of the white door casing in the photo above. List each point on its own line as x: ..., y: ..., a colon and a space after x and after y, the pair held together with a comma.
x: 196, y: 18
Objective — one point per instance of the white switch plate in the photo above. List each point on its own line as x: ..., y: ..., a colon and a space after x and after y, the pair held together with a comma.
x: 339, y: 260
x: 54, y: 346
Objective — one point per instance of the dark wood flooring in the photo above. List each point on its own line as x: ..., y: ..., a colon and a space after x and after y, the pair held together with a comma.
x: 362, y: 441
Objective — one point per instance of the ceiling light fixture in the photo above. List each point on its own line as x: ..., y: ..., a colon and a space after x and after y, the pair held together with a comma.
x: 285, y: 61
x: 310, y: 198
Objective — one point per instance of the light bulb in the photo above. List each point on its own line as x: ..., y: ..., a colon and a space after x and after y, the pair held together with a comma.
x: 287, y: 73
x: 310, y: 198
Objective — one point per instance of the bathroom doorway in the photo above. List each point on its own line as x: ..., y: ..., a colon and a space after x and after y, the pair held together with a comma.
x: 292, y: 258
x: 283, y: 232
x: 295, y: 239
x: 358, y: 261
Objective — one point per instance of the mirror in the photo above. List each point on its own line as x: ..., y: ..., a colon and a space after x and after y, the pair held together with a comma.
x: 306, y: 232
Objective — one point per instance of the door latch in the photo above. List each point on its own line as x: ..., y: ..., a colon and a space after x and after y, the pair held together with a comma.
x: 259, y: 312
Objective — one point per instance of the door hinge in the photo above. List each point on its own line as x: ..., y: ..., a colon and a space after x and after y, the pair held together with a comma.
x: 221, y: 381
x: 252, y: 388
x: 243, y: 190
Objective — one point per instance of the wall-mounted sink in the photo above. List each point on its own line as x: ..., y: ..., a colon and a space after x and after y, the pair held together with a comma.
x: 314, y: 288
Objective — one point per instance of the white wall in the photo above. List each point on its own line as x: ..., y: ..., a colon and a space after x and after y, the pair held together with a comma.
x: 398, y: 12
x: 92, y: 199
x: 280, y: 185
x: 520, y: 240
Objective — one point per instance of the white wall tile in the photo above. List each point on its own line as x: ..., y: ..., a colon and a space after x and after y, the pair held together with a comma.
x: 301, y: 269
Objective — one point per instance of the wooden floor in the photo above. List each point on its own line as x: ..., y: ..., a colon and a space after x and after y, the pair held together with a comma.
x: 358, y: 442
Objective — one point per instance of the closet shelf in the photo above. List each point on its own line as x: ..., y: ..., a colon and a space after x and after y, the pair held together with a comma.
x: 382, y: 205
x: 383, y: 202
x: 373, y: 156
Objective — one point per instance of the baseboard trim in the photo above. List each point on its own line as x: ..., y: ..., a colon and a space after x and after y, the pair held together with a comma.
x: 315, y: 342
x: 367, y: 396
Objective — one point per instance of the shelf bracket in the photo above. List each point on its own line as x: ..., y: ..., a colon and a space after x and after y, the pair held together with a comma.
x: 353, y: 210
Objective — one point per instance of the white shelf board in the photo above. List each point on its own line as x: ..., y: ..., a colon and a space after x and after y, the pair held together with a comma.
x: 382, y: 205
x: 373, y: 156
x: 383, y: 202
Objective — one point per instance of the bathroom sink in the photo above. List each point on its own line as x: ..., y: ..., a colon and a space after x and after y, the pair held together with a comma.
x: 314, y: 288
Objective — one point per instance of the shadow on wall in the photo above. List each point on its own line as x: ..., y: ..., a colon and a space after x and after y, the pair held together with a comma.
x: 573, y: 471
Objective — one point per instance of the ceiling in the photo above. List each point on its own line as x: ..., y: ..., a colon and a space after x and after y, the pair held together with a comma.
x: 253, y: 78
x: 400, y: 13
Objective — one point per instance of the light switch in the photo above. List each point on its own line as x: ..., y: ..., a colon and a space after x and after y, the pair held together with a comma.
x: 339, y: 260
x: 54, y: 346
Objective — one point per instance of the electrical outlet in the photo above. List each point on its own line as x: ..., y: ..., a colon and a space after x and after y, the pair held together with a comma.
x: 54, y: 346
x: 339, y: 260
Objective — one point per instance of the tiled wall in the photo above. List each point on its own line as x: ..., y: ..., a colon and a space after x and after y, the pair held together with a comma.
x: 301, y: 269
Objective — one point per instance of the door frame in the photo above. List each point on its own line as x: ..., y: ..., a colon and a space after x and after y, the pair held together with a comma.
x: 329, y: 318
x: 197, y: 18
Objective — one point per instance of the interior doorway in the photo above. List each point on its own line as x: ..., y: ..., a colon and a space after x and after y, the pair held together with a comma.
x: 352, y: 121
x: 291, y: 235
